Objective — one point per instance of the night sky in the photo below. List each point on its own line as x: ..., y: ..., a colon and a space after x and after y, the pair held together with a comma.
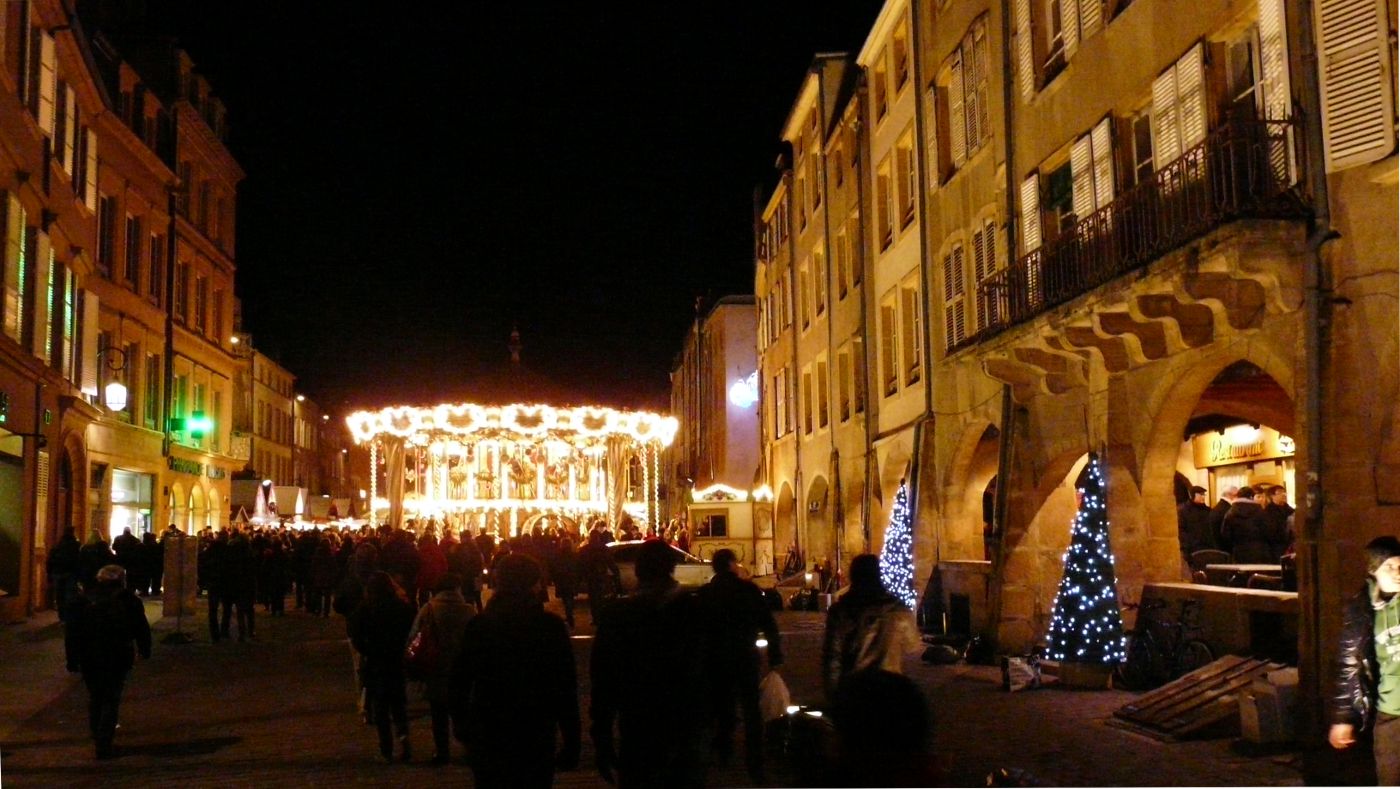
x: 417, y: 184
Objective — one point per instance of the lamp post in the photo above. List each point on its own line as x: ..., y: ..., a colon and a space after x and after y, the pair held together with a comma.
x: 114, y: 393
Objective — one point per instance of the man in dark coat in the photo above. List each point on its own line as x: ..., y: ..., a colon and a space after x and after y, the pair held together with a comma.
x: 1217, y: 516
x: 1367, y: 694
x: 104, y: 629
x: 601, y: 578
x: 1248, y: 531
x: 1277, y: 512
x: 213, y: 576
x: 514, y: 687
x: 127, y: 547
x: 154, y: 554
x: 64, y: 565
x: 734, y: 614
x: 1193, y: 524
x: 647, y: 680
x: 241, y: 583
x: 94, y: 555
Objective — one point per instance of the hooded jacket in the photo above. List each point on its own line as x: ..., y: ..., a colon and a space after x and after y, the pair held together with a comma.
x: 1358, y: 672
x: 866, y: 629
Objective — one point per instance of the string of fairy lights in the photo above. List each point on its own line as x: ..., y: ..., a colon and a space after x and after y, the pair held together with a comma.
x: 897, y: 554
x: 1086, y: 625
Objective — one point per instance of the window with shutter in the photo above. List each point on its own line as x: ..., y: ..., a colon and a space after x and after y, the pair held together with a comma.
x: 1081, y: 165
x: 1102, y: 139
x: 70, y: 130
x: 807, y: 401
x: 1358, y: 105
x: 90, y: 171
x: 16, y: 277
x: 954, y: 306
x: 1191, y: 97
x: 60, y: 124
x: 1090, y: 17
x: 823, y: 400
x: 43, y: 299
x: 48, y: 83
x: 1030, y: 213
x: 912, y: 324
x: 1069, y: 22
x: 1025, y: 49
x: 957, y: 120
x: 984, y: 268
x: 889, y: 358
x: 843, y: 383
x: 1166, y: 129
x: 88, y: 343
x: 932, y: 159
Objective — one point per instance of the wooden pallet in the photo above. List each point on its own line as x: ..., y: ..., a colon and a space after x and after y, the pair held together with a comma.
x: 1196, y: 701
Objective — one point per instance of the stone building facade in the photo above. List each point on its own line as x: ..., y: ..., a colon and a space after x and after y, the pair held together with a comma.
x: 1168, y: 238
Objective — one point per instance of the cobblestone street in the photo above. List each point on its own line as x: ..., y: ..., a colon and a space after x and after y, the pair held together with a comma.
x: 279, y: 711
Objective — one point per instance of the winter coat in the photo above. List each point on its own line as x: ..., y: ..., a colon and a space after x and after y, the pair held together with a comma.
x: 65, y: 558
x: 1250, y: 534
x: 94, y: 556
x: 514, y: 685
x: 325, y: 570
x: 379, y: 632
x: 564, y: 569
x: 447, y: 614
x: 128, y: 550
x: 432, y: 565
x: 1354, y: 698
x: 103, y: 631
x: 733, y: 612
x: 1193, y: 527
x: 866, y: 630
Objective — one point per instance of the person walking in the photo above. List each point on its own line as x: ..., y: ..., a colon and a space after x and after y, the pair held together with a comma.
x: 734, y: 614
x: 647, y: 681
x: 241, y: 584
x: 95, y: 554
x: 154, y: 553
x: 601, y: 578
x: 564, y: 570
x: 64, y: 565
x: 379, y: 630
x: 444, y: 619
x: 514, y: 686
x: 1367, y: 692
x: 103, y: 631
x: 323, y: 577
x: 868, y: 628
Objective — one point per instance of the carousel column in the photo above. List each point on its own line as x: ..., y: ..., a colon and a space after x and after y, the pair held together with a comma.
x: 373, y: 478
x: 394, y: 479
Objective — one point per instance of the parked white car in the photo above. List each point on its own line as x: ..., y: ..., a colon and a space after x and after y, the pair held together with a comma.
x: 691, y: 571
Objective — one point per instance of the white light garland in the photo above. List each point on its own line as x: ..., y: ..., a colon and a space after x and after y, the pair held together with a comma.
x: 574, y: 425
x: 897, y: 554
x: 1096, y: 634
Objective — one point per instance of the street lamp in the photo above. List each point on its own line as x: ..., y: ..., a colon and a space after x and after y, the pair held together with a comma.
x: 114, y: 393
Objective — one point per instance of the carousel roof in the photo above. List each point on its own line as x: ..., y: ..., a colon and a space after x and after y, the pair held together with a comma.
x: 472, y: 421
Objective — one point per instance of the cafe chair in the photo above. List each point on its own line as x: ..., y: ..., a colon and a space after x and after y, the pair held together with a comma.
x: 1264, y: 581
x: 1198, y: 577
x: 1205, y: 556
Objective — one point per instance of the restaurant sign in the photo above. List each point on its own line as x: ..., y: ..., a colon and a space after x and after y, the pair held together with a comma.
x: 1240, y: 444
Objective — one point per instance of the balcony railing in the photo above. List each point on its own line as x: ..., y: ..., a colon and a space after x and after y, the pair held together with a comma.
x: 1243, y: 169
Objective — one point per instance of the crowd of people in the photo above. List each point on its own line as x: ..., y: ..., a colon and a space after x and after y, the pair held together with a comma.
x: 1253, y: 525
x: 672, y: 670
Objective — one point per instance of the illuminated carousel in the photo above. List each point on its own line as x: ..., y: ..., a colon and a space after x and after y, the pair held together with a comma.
x: 505, y: 469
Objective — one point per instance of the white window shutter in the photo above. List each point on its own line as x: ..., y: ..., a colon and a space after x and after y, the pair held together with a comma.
x: 1030, y: 213
x: 90, y: 187
x: 957, y: 120
x: 91, y: 314
x: 1025, y: 59
x: 1069, y: 25
x: 1090, y: 17
x: 982, y: 254
x: 1273, y: 57
x: 1166, y: 128
x: 43, y: 269
x: 970, y: 104
x: 70, y: 132
x: 1103, y: 162
x: 954, y: 305
x: 1081, y: 171
x: 48, y: 82
x: 1191, y: 97
x: 1357, y: 100
x: 931, y: 139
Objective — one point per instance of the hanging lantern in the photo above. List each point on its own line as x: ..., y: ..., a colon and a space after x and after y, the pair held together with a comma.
x: 114, y: 395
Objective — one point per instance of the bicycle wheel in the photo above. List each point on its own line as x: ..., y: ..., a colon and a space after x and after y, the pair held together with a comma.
x: 1191, y: 656
x: 1138, y: 671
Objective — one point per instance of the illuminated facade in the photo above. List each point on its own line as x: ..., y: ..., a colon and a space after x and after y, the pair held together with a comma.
x: 505, y: 468
x: 711, y: 468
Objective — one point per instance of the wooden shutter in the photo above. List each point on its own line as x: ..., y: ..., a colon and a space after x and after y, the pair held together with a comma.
x: 1102, y: 138
x: 954, y: 305
x: 1090, y: 17
x: 1357, y: 102
x: 970, y: 105
x: 1069, y: 25
x: 1025, y: 58
x: 1191, y: 97
x: 931, y: 157
x: 48, y: 82
x: 70, y: 129
x: 1030, y: 212
x: 1081, y: 170
x: 43, y: 269
x: 957, y: 117
x: 90, y: 174
x: 91, y: 313
x: 983, y: 267
x: 1166, y: 126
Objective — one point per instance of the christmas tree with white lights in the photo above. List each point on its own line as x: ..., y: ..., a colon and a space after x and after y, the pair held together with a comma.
x: 1086, y: 625
x: 897, y: 555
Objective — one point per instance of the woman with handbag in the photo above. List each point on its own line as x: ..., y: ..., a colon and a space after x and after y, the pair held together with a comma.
x: 433, y: 645
x: 379, y: 630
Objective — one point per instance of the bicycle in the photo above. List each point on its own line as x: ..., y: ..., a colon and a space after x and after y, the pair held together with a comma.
x: 1161, y: 649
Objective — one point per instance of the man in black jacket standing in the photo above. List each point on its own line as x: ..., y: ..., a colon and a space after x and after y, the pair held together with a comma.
x: 734, y: 614
x: 104, y: 630
x: 1368, y: 675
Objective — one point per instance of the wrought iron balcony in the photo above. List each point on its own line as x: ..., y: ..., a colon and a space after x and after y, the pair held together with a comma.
x: 1242, y: 170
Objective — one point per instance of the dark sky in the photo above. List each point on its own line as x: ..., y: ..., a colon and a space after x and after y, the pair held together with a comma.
x: 418, y: 182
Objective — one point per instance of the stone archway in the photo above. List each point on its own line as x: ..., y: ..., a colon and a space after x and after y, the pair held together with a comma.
x: 970, y: 472
x: 784, y: 526
x: 72, y: 485
x: 199, y: 511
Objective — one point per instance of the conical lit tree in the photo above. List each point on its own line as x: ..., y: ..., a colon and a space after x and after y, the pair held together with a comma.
x: 897, y: 554
x: 1086, y: 625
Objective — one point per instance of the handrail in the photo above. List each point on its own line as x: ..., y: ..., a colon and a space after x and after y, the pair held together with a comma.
x: 1243, y: 169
